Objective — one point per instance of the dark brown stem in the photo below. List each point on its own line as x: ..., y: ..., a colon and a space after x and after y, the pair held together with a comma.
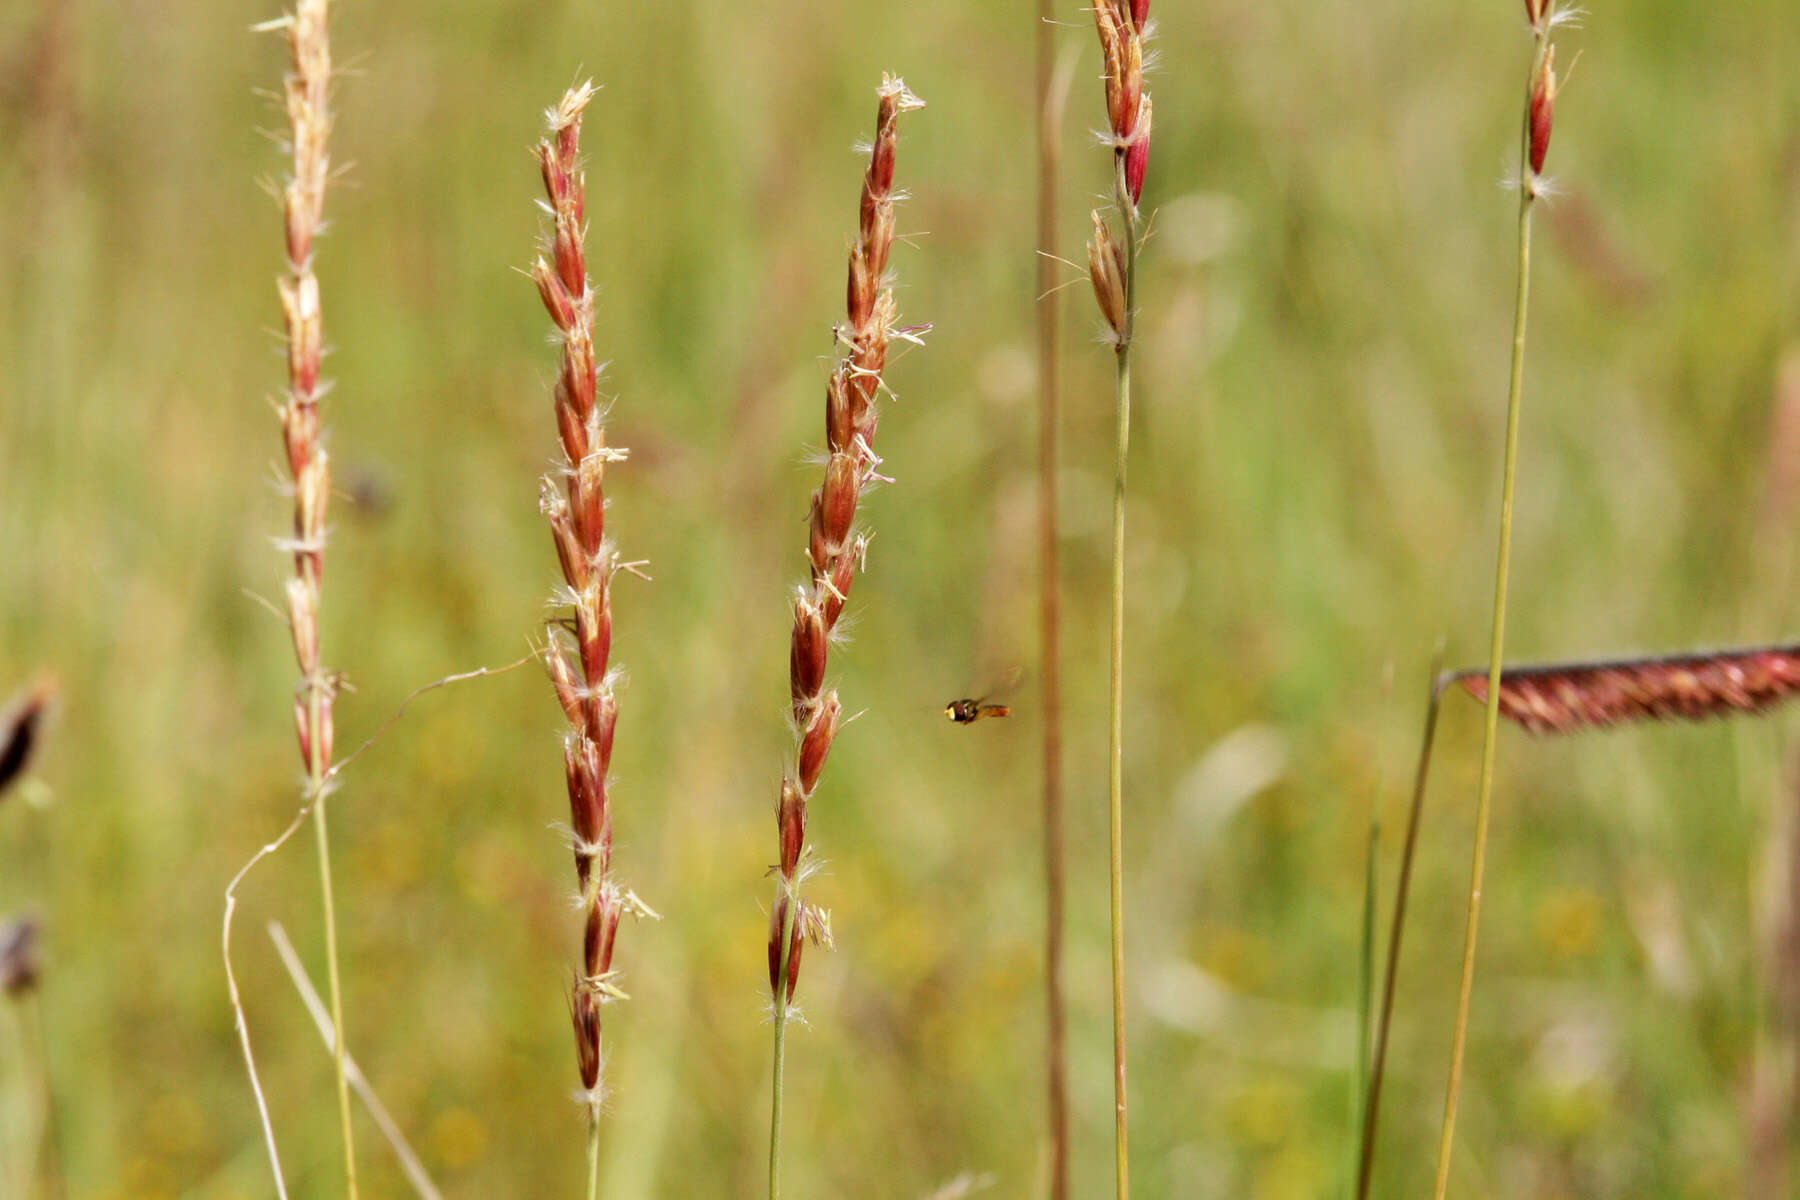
x: 1050, y: 610
x: 1372, y: 1108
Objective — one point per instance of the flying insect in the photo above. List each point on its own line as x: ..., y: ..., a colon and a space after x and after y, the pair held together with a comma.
x: 967, y: 712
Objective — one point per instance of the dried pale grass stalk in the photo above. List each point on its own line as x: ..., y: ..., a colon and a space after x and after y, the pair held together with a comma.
x: 579, y: 648
x: 415, y: 1171
x: 1562, y: 698
x: 307, y: 94
x: 836, y: 551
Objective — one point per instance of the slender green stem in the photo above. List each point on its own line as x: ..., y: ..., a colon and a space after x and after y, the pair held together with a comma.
x: 316, y: 786
x: 1115, y: 751
x: 779, y: 1068
x: 593, y: 1152
x: 1403, y: 888
x: 1491, y: 725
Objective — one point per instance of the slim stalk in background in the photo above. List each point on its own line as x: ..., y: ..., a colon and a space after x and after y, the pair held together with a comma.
x: 1365, y: 981
x: 573, y: 500
x: 836, y: 551
x: 1056, y: 1074
x: 39, y: 1148
x: 1113, y: 268
x: 384, y: 1120
x: 1371, y: 1113
x: 1534, y: 143
x: 307, y: 90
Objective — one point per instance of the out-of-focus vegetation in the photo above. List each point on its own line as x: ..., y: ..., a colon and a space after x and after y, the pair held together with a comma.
x: 1326, y: 304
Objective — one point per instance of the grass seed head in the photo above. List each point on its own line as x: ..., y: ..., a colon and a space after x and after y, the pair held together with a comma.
x: 1570, y: 697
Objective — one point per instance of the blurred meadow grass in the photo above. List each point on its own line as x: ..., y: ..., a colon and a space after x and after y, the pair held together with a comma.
x: 1325, y: 308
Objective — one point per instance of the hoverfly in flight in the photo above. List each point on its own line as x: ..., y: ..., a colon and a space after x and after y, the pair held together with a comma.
x: 969, y: 710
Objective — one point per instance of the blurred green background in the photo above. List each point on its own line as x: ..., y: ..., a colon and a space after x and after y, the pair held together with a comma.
x: 1326, y: 307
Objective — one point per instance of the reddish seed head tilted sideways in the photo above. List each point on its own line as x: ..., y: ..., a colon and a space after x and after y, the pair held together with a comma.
x: 1566, y: 698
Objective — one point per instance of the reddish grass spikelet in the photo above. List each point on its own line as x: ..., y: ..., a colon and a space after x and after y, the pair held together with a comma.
x: 835, y: 551
x: 21, y: 729
x: 1543, y: 109
x: 579, y: 650
x: 1120, y: 26
x: 1569, y: 697
x: 1137, y: 155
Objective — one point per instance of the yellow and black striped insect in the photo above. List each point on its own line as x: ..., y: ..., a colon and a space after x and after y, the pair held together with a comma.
x: 967, y: 712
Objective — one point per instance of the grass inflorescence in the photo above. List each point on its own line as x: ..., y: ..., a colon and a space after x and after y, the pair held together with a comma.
x: 836, y: 552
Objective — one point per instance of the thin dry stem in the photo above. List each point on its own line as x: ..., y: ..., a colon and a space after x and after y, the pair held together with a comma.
x: 1052, y: 94
x: 239, y: 1019
x: 384, y: 1120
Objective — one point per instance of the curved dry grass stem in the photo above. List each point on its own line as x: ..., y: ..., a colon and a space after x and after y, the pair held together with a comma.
x: 240, y: 1022
x: 1559, y: 698
x: 836, y: 551
x: 579, y: 646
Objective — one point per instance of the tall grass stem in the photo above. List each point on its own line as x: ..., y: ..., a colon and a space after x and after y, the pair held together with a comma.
x: 1052, y: 89
x: 1528, y: 189
x: 1115, y: 799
